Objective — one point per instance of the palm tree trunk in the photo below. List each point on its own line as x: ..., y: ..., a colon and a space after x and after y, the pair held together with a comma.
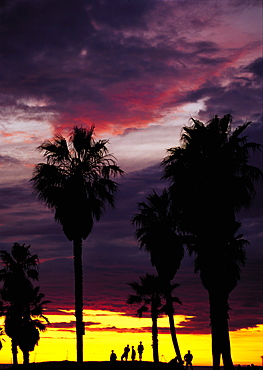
x: 219, y: 330
x: 155, y: 339
x: 170, y: 313
x: 14, y: 350
x: 26, y: 357
x: 77, y: 253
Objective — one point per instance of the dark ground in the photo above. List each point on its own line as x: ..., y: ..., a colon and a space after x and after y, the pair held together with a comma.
x: 95, y: 365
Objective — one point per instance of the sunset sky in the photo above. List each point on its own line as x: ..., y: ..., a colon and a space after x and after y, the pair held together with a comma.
x: 138, y: 70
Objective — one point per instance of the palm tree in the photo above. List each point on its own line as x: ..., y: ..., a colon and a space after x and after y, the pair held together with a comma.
x: 75, y: 183
x: 210, y: 180
x: 157, y: 234
x: 31, y: 324
x: 20, y: 266
x: 149, y: 292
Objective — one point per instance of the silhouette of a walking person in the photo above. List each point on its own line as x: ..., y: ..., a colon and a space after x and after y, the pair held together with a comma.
x: 133, y: 354
x: 125, y: 353
x: 140, y: 350
x: 113, y: 356
x: 188, y: 357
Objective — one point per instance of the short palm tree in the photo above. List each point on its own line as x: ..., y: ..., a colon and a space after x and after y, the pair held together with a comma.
x: 19, y: 268
x: 210, y: 180
x: 157, y: 233
x: 31, y: 323
x: 75, y: 183
x: 150, y: 292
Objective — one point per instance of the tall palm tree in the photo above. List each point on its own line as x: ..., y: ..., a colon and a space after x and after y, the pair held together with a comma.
x: 157, y: 233
x: 75, y: 183
x: 149, y: 292
x: 210, y: 180
x: 19, y: 268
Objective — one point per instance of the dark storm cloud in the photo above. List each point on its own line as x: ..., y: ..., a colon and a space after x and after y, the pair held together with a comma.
x: 41, y: 47
x: 87, y: 60
x: 221, y: 98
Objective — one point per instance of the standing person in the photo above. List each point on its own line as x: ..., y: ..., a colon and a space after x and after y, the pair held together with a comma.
x: 140, y: 350
x: 125, y: 353
x: 188, y: 360
x: 113, y: 356
x: 133, y: 354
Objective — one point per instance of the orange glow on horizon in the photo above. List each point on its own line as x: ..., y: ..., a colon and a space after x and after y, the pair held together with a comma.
x: 106, y: 331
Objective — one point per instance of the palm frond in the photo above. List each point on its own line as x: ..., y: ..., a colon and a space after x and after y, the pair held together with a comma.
x: 134, y: 299
x: 142, y: 310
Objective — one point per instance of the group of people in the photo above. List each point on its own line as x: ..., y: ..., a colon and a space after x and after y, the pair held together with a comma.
x: 188, y: 357
x: 124, y: 356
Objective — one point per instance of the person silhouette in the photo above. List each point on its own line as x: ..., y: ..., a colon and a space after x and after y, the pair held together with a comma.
x: 140, y: 350
x: 133, y: 354
x: 125, y: 353
x: 188, y: 357
x: 113, y: 356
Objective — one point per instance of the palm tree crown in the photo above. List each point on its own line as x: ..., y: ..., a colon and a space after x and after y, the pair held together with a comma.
x: 210, y: 171
x: 157, y: 233
x: 149, y: 291
x: 19, y: 268
x: 75, y: 182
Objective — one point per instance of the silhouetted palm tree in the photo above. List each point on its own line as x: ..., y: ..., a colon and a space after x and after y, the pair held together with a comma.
x: 148, y: 292
x: 210, y: 180
x: 157, y: 234
x: 76, y: 184
x: 20, y: 266
x: 31, y: 323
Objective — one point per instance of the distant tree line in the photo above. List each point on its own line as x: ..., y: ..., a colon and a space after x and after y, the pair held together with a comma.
x: 209, y: 180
